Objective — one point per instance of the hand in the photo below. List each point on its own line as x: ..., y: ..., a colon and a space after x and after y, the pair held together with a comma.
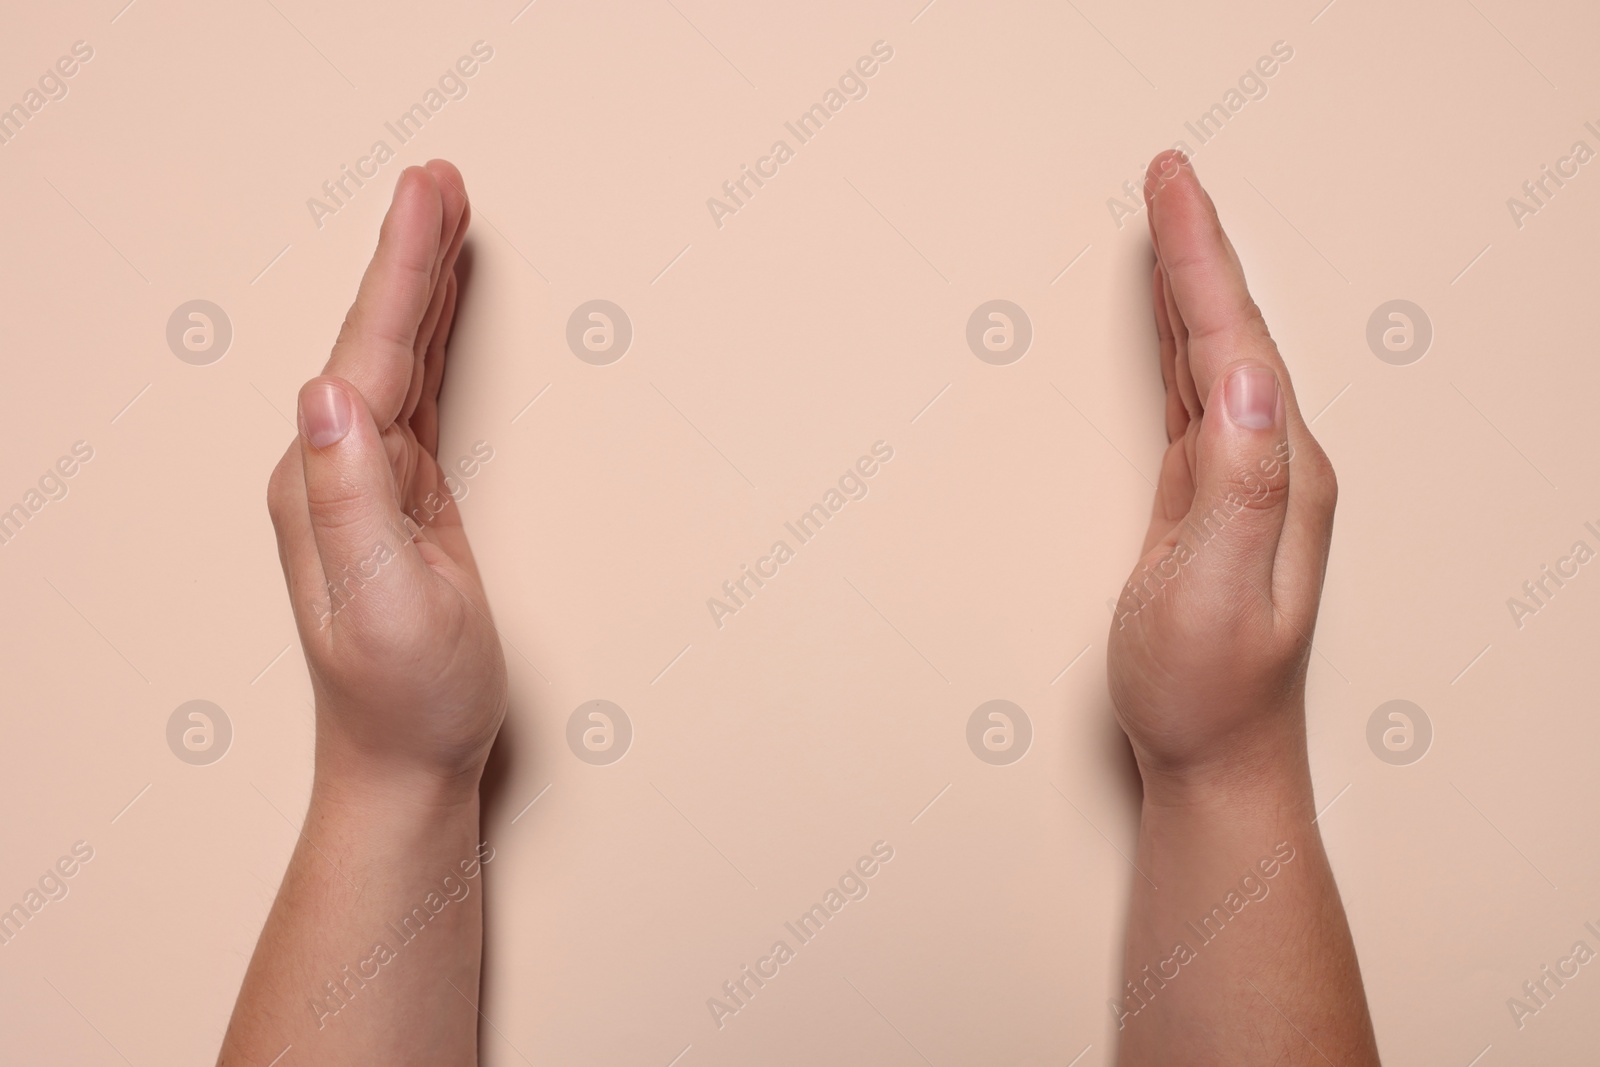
x: 406, y: 664
x: 1212, y: 635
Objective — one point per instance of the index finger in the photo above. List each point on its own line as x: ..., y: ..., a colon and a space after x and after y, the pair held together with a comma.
x: 375, y: 351
x: 1221, y: 321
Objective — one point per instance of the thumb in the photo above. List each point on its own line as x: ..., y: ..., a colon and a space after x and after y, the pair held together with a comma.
x: 354, y: 509
x: 1241, y: 483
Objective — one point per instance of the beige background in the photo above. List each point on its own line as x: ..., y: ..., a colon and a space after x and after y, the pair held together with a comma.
x: 769, y: 354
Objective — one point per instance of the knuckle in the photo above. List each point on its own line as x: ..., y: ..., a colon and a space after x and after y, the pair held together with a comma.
x: 1329, y: 488
x: 1251, y: 328
x: 1234, y: 516
x: 366, y: 327
x: 350, y: 326
x: 1250, y: 490
x: 278, y: 489
x: 338, y: 504
x: 1318, y: 479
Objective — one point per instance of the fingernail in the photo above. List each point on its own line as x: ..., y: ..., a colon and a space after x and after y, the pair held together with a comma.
x: 324, y: 414
x: 1252, y: 397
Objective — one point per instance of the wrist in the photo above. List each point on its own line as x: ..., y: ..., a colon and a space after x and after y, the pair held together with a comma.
x: 1260, y: 769
x: 363, y: 782
x: 382, y: 826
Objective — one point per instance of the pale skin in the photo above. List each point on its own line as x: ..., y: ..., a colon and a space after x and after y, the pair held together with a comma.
x: 410, y: 683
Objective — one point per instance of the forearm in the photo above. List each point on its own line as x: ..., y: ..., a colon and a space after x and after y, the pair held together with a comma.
x: 371, y: 953
x: 1243, y: 954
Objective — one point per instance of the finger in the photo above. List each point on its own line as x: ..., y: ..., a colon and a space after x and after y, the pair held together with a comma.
x: 376, y: 349
x: 1180, y: 335
x: 1241, y: 495
x: 1177, y: 413
x: 454, y: 220
x: 1175, y: 483
x: 1221, y: 324
x: 1220, y: 321
x: 291, y: 521
x: 457, y: 213
x: 351, y: 498
x: 425, y: 420
x: 1162, y: 169
x: 1174, y: 492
